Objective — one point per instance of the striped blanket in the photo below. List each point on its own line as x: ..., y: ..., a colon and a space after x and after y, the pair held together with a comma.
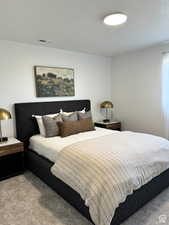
x: 105, y: 170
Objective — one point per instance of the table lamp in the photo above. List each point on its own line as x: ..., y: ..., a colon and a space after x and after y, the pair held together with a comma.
x: 4, y: 115
x: 106, y: 105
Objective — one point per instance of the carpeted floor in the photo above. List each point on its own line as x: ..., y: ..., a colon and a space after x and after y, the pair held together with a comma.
x: 25, y: 200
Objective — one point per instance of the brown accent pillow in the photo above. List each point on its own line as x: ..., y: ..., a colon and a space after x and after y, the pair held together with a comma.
x: 68, y: 128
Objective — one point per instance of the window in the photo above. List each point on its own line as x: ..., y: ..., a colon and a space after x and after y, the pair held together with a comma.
x: 165, y: 92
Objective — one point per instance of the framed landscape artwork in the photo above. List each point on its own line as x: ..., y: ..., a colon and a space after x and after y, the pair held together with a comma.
x: 54, y: 81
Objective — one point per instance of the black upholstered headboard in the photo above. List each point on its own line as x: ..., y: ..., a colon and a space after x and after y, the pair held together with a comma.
x: 26, y: 126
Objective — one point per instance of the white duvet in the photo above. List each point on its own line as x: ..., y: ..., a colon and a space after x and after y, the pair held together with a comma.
x: 105, y: 170
x: 50, y: 147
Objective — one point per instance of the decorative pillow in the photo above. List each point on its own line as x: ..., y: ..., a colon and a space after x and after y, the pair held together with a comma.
x: 51, y: 126
x: 69, y: 113
x: 40, y: 122
x: 68, y: 128
x: 86, y: 125
x: 85, y: 115
x: 71, y: 117
x: 83, y: 110
x: 65, y: 113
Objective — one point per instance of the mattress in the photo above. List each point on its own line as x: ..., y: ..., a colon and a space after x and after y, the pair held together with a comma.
x: 50, y: 147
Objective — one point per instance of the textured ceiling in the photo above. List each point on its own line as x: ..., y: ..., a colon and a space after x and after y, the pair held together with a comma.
x: 77, y: 24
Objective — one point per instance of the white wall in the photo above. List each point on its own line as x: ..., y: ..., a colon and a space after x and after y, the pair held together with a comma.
x: 136, y: 90
x: 17, y: 84
x: 132, y: 81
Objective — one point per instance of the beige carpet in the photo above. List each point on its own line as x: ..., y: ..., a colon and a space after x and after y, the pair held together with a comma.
x: 25, y: 200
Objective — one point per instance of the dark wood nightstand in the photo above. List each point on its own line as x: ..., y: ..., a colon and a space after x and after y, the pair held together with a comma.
x: 11, y: 158
x: 116, y: 125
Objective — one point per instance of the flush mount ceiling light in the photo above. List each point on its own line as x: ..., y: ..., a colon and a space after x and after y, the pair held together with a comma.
x: 43, y: 41
x: 115, y: 19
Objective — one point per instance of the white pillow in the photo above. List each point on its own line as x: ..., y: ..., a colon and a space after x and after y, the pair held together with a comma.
x: 69, y: 113
x: 65, y: 113
x: 40, y: 122
x: 83, y: 110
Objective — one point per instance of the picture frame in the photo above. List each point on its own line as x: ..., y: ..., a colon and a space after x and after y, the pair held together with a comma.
x: 54, y: 81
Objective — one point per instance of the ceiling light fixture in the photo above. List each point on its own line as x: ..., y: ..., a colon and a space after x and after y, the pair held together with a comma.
x: 42, y: 41
x: 115, y: 19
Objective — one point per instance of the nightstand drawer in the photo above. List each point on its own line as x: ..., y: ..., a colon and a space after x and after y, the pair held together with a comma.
x: 11, y: 158
x: 112, y: 126
x: 11, y: 149
x: 11, y: 165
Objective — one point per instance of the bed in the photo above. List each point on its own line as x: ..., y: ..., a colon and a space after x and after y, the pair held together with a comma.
x: 41, y: 166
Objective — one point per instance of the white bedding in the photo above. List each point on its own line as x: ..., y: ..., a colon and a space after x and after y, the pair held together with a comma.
x: 105, y: 170
x: 106, y: 165
x: 50, y: 147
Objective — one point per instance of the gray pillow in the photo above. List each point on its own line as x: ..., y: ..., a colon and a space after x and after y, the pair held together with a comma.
x: 85, y: 115
x: 51, y: 126
x: 71, y: 117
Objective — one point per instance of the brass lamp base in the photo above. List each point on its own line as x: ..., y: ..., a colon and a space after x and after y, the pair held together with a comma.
x: 3, y: 139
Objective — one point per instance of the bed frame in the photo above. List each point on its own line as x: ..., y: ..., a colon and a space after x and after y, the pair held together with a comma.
x: 40, y: 166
